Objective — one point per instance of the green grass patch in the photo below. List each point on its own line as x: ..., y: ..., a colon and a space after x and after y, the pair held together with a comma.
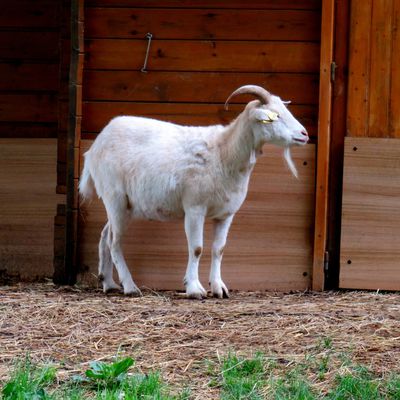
x: 322, y: 374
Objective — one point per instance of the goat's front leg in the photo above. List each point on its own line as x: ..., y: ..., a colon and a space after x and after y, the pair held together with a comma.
x: 194, y: 225
x: 221, y: 229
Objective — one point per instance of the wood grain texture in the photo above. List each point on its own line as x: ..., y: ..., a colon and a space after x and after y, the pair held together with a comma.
x: 27, y: 207
x: 203, y: 24
x: 188, y: 55
x: 324, y: 140
x: 359, y: 68
x: 269, y: 246
x: 370, y: 250
x: 199, y: 87
x: 232, y: 4
x: 97, y: 114
x: 394, y: 103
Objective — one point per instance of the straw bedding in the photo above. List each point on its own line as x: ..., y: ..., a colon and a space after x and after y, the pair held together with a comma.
x: 165, y: 331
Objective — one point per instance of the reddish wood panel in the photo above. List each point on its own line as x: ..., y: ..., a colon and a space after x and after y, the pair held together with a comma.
x: 201, y: 87
x: 232, y: 4
x: 28, y: 107
x: 29, y: 77
x: 269, y: 245
x: 373, y: 69
x: 27, y: 207
x: 370, y: 250
x: 28, y: 129
x: 30, y: 14
x: 97, y: 114
x: 203, y: 24
x: 29, y: 46
x: 187, y: 55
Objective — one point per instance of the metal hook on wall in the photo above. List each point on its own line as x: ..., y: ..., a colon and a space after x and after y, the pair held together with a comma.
x: 148, y: 37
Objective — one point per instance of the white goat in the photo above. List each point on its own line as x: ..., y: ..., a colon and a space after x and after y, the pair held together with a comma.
x: 148, y: 169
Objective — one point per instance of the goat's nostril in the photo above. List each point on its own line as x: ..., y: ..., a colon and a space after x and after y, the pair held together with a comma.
x: 304, y: 133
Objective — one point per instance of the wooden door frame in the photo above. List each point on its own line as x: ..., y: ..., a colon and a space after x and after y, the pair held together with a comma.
x: 330, y: 147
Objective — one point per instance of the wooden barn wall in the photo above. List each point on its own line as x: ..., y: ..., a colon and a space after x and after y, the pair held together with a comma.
x: 200, y: 53
x: 29, y: 91
x: 371, y: 191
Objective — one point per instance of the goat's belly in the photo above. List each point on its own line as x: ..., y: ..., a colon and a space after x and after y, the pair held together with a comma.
x: 157, y: 211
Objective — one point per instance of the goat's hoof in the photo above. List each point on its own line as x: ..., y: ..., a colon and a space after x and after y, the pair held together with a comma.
x: 109, y: 287
x: 133, y: 293
x: 219, y: 290
x: 195, y: 290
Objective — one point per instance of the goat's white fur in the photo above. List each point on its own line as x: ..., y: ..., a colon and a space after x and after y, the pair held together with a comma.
x: 148, y: 169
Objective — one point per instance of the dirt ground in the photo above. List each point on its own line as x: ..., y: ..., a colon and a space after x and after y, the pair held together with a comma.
x: 165, y: 331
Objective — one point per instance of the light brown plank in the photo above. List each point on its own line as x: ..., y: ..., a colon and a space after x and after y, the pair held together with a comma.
x: 232, y: 4
x: 187, y: 55
x: 370, y: 250
x: 199, y: 87
x: 203, y: 24
x: 359, y: 68
x: 27, y: 207
x: 97, y: 114
x: 269, y: 246
x: 381, y: 49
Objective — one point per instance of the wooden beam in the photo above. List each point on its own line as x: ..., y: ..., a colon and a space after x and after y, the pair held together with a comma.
x: 323, y: 149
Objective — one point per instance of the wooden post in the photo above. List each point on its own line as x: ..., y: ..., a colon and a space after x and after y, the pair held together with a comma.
x: 66, y: 273
x: 323, y: 149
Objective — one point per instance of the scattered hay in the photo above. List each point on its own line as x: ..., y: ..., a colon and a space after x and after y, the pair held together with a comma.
x: 167, y: 332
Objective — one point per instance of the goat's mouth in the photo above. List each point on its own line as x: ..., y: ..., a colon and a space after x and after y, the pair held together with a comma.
x: 300, y: 140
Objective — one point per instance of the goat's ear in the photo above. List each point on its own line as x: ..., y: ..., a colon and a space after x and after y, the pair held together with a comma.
x: 266, y: 116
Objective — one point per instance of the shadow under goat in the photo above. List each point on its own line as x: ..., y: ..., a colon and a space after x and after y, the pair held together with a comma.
x: 148, y: 169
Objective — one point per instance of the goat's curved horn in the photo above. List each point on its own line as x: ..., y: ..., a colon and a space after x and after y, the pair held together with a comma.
x: 260, y: 93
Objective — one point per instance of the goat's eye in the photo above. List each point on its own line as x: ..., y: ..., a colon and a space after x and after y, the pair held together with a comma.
x: 272, y: 116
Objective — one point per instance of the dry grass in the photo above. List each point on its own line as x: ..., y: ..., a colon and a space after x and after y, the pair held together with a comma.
x: 165, y: 331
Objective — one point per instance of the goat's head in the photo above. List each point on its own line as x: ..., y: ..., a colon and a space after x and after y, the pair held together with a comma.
x: 271, y: 120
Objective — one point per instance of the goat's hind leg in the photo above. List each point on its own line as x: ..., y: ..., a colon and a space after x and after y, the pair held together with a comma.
x: 118, y: 217
x: 105, y: 261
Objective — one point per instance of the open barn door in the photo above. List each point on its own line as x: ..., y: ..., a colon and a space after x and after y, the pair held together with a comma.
x: 324, y: 144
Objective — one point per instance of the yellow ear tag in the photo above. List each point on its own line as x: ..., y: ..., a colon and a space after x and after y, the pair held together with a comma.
x: 272, y: 116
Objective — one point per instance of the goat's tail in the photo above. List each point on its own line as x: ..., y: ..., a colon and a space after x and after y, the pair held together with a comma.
x: 86, y: 184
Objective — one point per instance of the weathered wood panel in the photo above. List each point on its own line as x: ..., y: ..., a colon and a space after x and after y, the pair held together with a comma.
x: 203, y: 24
x: 269, y: 246
x: 97, y: 114
x: 370, y: 250
x: 27, y: 207
x: 188, y: 55
x: 199, y: 87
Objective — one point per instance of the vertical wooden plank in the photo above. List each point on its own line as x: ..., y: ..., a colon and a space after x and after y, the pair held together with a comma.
x: 381, y: 46
x: 359, y: 68
x: 323, y: 149
x: 338, y: 131
x: 394, y: 103
x: 66, y: 273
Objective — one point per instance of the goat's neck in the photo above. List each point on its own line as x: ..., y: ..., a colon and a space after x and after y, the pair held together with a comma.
x: 238, y: 149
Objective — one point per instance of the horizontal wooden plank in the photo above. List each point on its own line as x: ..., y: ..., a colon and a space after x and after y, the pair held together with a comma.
x: 28, y: 107
x: 187, y: 55
x: 26, y: 77
x: 27, y: 206
x: 199, y: 87
x: 269, y: 245
x: 232, y: 4
x: 41, y: 46
x: 370, y: 250
x: 28, y: 130
x: 203, y: 24
x: 30, y: 14
x: 97, y: 114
